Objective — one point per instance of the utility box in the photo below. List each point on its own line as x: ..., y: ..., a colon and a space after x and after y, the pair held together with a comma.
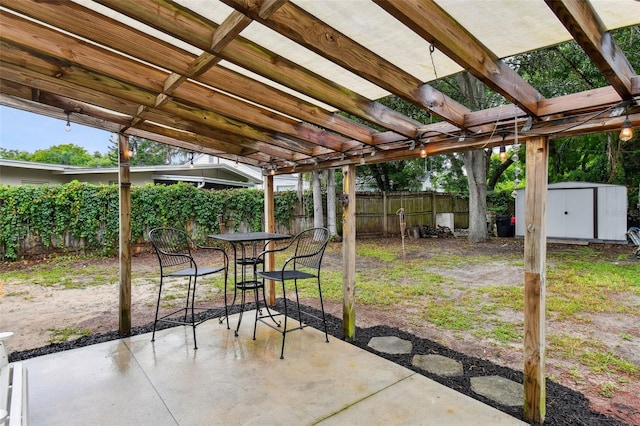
x: 593, y: 212
x: 445, y: 219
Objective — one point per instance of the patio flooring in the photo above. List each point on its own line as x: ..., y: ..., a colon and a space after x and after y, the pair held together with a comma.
x: 236, y: 380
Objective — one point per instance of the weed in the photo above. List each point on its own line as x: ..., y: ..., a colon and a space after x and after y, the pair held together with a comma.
x: 626, y: 336
x: 375, y: 251
x: 575, y: 373
x: 506, y: 333
x: 63, y: 334
x: 608, y: 389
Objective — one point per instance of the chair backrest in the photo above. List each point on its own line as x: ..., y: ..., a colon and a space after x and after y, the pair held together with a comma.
x: 311, y: 243
x: 169, y: 242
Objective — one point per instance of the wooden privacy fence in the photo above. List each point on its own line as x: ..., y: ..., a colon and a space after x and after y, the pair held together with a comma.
x: 376, y: 212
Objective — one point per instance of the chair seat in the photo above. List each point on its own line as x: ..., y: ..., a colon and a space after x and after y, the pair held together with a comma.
x: 286, y: 275
x: 192, y: 271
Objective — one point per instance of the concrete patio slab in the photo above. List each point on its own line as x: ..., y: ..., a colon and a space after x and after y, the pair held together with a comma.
x: 236, y: 380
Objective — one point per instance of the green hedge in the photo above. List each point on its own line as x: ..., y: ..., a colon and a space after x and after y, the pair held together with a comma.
x: 91, y: 212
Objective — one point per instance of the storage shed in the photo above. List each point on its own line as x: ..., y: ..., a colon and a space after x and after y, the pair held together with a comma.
x: 593, y: 212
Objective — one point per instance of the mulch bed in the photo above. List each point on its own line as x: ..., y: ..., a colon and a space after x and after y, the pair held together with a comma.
x: 564, y: 406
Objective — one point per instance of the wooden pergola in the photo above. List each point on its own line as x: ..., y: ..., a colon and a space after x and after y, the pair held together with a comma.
x: 264, y: 82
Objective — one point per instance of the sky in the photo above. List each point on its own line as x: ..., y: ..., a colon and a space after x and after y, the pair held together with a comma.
x: 30, y: 132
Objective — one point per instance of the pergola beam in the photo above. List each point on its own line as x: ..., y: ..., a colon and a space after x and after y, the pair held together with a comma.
x: 305, y: 29
x: 432, y: 23
x: 585, y: 27
x: 257, y: 59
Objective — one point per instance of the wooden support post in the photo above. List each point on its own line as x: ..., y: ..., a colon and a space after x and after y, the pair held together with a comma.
x: 535, y: 253
x: 349, y: 252
x: 125, y: 235
x: 269, y: 226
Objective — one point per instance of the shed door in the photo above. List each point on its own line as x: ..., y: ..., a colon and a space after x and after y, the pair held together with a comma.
x: 570, y: 213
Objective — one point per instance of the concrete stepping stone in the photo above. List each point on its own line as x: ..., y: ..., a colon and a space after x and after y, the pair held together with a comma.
x: 438, y: 364
x: 498, y: 389
x: 391, y: 345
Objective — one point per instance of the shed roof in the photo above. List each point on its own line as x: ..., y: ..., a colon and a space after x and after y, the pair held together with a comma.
x: 263, y: 82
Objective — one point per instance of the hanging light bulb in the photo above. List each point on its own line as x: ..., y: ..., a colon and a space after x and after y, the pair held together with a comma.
x: 626, y: 133
x: 191, y: 162
x: 68, y: 126
x: 423, y: 151
x: 131, y: 151
x: 503, y: 154
x: 362, y: 162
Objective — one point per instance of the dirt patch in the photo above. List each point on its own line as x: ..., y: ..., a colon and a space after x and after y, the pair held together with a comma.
x: 31, y: 311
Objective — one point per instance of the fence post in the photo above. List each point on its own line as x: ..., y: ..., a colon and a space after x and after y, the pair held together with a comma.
x: 385, y: 207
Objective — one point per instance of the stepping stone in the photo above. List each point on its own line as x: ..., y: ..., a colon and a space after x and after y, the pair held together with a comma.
x: 391, y: 345
x: 438, y: 364
x: 498, y: 389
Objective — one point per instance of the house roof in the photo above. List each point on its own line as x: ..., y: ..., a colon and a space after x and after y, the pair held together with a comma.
x: 262, y: 82
x: 199, y: 173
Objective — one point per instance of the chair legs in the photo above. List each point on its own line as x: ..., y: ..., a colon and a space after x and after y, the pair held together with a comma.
x: 155, y: 320
x: 324, y: 319
x: 189, y: 309
x: 284, y: 330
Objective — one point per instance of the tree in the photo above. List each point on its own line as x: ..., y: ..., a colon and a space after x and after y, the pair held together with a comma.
x: 404, y: 175
x: 14, y: 154
x: 318, y: 217
x: 66, y: 154
x: 331, y: 202
x: 150, y: 153
x: 476, y: 95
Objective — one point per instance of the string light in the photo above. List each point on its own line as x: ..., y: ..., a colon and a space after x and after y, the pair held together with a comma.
x: 68, y: 126
x: 423, y: 150
x: 503, y: 154
x: 517, y: 170
x: 131, y: 151
x: 626, y: 133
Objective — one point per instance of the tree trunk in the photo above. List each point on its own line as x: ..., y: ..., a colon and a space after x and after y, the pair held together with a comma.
x: 475, y: 164
x: 300, y: 191
x: 331, y: 202
x: 477, y: 177
x: 318, y: 219
x: 498, y: 172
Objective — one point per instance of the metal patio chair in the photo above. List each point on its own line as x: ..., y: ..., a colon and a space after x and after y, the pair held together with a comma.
x: 307, y: 251
x: 174, y: 250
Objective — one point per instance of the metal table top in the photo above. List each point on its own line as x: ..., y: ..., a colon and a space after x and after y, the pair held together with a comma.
x: 244, y: 237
